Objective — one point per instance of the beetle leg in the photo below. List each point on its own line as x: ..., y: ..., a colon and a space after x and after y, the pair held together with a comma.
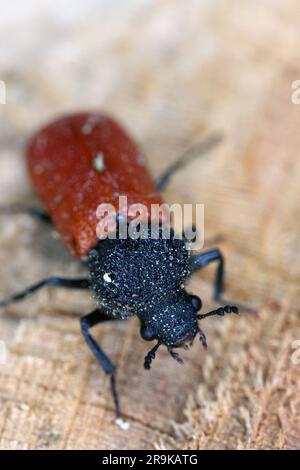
x: 202, y: 260
x: 190, y: 230
x: 87, y: 322
x: 35, y: 212
x: 81, y: 283
x: 188, y: 156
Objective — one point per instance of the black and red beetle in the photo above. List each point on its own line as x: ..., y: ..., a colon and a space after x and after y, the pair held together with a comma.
x: 79, y: 161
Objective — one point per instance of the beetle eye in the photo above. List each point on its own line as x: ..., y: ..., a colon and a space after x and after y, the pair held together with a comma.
x: 196, y: 302
x: 147, y: 333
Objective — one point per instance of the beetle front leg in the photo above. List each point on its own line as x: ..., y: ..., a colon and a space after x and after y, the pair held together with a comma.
x: 87, y: 322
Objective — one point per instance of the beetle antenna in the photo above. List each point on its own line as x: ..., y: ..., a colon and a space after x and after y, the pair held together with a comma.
x: 151, y: 356
x: 219, y: 311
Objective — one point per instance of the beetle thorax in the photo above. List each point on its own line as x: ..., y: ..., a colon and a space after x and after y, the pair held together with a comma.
x: 132, y: 277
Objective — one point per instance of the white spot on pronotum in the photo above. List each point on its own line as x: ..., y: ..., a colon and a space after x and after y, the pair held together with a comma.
x: 124, y: 425
x: 98, y: 162
x: 107, y: 277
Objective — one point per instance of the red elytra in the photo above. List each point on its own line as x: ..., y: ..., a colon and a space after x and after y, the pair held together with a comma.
x: 80, y: 161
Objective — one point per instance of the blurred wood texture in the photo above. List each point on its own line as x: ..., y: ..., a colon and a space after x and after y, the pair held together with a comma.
x: 172, y: 72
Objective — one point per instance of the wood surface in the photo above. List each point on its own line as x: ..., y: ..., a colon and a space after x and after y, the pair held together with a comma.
x: 172, y: 72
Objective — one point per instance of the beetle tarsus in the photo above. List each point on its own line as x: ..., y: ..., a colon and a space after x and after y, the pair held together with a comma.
x: 87, y: 322
x: 115, y: 396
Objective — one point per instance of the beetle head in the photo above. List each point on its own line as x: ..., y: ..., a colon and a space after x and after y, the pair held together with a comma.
x: 173, y: 323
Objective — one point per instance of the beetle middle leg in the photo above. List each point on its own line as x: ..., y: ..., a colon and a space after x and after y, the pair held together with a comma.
x: 81, y: 283
x: 35, y: 212
x: 204, y: 259
x: 87, y: 322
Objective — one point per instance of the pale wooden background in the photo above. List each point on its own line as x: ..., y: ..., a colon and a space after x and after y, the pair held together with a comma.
x: 171, y: 72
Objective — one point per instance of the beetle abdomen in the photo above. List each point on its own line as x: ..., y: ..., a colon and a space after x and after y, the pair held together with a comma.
x: 80, y: 161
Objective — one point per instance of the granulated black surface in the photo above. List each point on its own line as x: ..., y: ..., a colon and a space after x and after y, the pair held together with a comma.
x: 145, y: 277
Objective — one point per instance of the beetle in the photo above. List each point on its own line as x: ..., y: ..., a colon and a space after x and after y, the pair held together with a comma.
x: 80, y: 160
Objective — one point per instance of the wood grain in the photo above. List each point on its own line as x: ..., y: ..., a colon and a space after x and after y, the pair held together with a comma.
x: 172, y: 72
